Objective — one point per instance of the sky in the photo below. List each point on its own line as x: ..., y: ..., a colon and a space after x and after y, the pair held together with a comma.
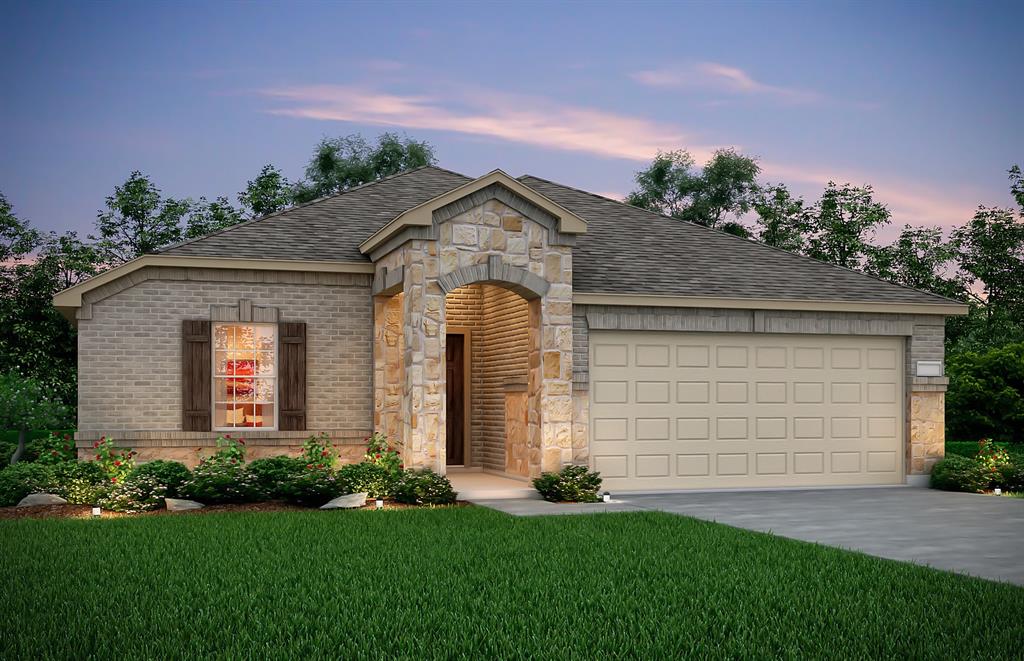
x: 920, y: 100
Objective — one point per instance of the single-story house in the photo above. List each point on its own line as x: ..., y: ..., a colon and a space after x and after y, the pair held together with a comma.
x: 515, y: 326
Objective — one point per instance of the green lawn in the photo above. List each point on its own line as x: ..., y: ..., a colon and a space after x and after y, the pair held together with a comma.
x: 472, y: 583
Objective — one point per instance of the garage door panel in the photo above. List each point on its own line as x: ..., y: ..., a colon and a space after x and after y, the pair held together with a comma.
x: 702, y: 410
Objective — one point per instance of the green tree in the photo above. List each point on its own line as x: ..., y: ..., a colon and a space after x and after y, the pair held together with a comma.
x: 781, y: 218
x: 17, y: 238
x: 986, y: 394
x: 137, y: 220
x: 267, y: 193
x: 205, y: 217
x: 342, y: 163
x: 1017, y: 185
x: 921, y: 259
x: 990, y: 250
x: 27, y: 404
x: 715, y: 196
x: 842, y: 223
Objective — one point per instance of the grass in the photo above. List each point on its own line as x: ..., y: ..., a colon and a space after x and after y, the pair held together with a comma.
x: 472, y: 583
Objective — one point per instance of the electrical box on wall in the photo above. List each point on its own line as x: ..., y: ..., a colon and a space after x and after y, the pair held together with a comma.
x: 929, y: 368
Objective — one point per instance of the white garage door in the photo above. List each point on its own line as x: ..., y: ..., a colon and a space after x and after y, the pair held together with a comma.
x: 719, y: 410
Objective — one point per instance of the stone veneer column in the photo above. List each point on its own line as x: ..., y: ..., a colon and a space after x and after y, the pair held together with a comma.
x: 927, y: 440
x: 388, y: 364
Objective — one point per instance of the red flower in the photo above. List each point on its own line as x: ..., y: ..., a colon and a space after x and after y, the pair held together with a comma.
x: 324, y: 453
x: 242, y: 441
x: 227, y: 435
x: 377, y: 455
x: 67, y: 437
x: 97, y: 457
x: 95, y: 444
x: 114, y: 480
x: 117, y: 463
x: 53, y: 453
x: 401, y: 465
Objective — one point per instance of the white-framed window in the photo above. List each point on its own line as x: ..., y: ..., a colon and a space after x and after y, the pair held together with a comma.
x: 244, y: 376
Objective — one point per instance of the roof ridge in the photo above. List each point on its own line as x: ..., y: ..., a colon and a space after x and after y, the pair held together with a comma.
x: 322, y: 198
x: 749, y: 241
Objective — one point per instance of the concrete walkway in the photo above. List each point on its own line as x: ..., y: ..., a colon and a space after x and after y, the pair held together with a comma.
x: 978, y: 535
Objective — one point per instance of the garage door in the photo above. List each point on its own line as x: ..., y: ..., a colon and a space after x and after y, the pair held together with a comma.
x: 720, y: 410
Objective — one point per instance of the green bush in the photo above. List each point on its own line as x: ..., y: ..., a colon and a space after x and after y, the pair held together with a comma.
x: 574, y: 484
x: 217, y: 480
x: 424, y: 487
x: 1011, y: 478
x: 80, y: 482
x: 137, y: 493
x: 376, y: 480
x: 956, y: 473
x: 272, y: 475
x: 986, y: 394
x: 21, y: 479
x: 171, y: 474
x: 313, y: 487
x: 9, y: 442
x: 51, y: 449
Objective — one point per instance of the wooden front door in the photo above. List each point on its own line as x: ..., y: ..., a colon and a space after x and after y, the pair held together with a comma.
x: 455, y: 413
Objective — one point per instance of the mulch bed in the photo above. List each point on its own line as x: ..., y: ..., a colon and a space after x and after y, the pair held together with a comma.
x: 85, y: 511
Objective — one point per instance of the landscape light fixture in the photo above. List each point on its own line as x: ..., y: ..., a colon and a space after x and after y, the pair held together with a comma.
x: 380, y: 503
x: 607, y: 497
x: 95, y: 511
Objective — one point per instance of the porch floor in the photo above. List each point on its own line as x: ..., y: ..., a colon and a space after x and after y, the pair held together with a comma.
x: 478, y: 485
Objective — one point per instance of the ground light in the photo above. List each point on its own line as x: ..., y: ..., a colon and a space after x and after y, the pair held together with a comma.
x: 380, y: 503
x: 998, y: 491
x: 607, y: 497
x: 95, y: 511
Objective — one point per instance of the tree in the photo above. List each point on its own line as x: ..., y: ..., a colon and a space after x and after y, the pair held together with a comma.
x: 781, y: 218
x: 918, y: 258
x: 138, y: 220
x: 267, y: 193
x: 990, y: 250
x: 841, y: 224
x: 342, y: 163
x: 1017, y: 185
x: 17, y: 238
x: 206, y: 217
x: 26, y: 404
x: 725, y: 187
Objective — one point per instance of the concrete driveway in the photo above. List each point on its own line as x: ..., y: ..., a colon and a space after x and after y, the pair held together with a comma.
x: 973, y: 534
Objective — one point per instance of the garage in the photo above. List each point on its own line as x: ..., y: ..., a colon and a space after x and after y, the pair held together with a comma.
x: 686, y: 410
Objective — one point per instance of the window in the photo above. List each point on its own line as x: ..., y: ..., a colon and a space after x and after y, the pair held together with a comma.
x: 244, y: 376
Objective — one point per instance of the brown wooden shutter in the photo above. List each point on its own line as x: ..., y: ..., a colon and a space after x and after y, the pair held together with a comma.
x: 196, y: 366
x: 292, y: 376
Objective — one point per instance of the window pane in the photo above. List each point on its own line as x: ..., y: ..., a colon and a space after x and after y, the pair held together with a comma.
x: 222, y: 336
x: 264, y: 390
x: 265, y: 338
x: 265, y: 363
x: 244, y: 337
x: 220, y: 364
x: 260, y: 415
x: 228, y: 415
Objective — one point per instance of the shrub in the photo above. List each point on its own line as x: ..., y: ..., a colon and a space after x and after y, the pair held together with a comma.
x: 52, y: 449
x: 313, y: 487
x: 424, y: 487
x: 574, y: 484
x: 80, y: 482
x: 138, y: 493
x: 318, y: 452
x: 380, y: 454
x: 271, y: 475
x: 116, y: 463
x: 218, y: 480
x: 1011, y: 478
x: 957, y: 473
x: 376, y: 480
x: 229, y: 449
x: 986, y: 394
x: 21, y: 479
x: 171, y: 474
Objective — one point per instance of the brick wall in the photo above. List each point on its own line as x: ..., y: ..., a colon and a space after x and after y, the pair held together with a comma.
x: 130, y: 350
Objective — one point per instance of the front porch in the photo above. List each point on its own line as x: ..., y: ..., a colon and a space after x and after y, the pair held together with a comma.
x: 473, y: 484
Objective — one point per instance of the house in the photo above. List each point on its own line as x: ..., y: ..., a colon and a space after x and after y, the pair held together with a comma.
x: 515, y: 325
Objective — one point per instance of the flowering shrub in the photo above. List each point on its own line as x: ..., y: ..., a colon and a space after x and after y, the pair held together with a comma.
x: 228, y: 449
x: 380, y: 454
x: 53, y: 449
x: 136, y: 494
x: 318, y: 452
x: 116, y: 463
x: 424, y: 487
x: 376, y: 480
x: 956, y: 473
x: 991, y: 457
x: 171, y: 474
x: 80, y: 482
x: 574, y: 484
x: 313, y: 487
x: 21, y: 479
x: 271, y: 475
x: 219, y: 480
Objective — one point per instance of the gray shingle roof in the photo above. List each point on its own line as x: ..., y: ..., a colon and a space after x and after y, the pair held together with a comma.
x: 330, y: 228
x: 625, y: 250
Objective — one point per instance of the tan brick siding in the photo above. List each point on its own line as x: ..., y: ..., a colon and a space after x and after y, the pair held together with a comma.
x: 130, y: 350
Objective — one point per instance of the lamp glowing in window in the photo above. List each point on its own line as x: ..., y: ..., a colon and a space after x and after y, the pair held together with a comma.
x: 244, y: 376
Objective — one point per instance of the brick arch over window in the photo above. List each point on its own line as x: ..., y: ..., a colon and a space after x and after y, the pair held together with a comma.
x: 525, y: 283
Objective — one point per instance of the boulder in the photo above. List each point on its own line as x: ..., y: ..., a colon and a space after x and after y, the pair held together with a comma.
x: 346, y: 502
x: 182, y: 505
x: 41, y: 499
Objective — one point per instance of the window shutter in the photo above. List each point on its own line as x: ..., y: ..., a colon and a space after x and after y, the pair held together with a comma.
x: 196, y: 367
x: 292, y: 376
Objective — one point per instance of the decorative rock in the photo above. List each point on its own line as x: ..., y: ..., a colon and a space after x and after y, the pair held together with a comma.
x: 41, y: 499
x: 346, y: 502
x: 182, y: 505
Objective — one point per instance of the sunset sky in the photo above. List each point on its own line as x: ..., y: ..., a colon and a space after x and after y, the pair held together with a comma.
x: 922, y: 100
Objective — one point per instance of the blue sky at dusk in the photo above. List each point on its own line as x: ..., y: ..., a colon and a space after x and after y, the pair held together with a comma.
x: 922, y: 100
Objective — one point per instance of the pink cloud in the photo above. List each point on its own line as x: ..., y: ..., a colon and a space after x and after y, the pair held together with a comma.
x: 720, y: 77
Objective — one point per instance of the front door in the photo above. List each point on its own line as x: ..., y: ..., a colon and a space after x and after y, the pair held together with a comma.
x: 455, y: 402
